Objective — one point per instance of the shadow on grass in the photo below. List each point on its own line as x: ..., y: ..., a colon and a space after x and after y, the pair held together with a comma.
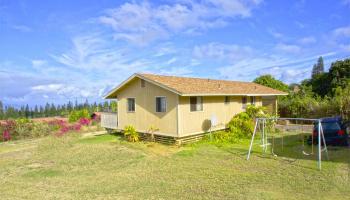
x: 290, y: 148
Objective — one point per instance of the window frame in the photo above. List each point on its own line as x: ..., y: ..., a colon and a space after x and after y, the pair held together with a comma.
x: 127, y: 104
x: 196, y: 105
x: 166, y: 104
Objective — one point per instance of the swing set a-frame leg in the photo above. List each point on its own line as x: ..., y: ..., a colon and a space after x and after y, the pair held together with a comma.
x: 251, y: 142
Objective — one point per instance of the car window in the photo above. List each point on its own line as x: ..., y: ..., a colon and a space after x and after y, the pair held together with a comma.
x: 330, y: 126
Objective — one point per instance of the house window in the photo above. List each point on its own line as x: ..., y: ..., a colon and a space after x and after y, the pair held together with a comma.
x: 196, y: 103
x: 160, y: 104
x: 143, y: 83
x: 244, y: 102
x: 227, y: 99
x: 252, y: 101
x: 131, y: 104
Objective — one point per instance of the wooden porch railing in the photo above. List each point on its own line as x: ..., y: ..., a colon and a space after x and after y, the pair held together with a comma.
x: 109, y: 120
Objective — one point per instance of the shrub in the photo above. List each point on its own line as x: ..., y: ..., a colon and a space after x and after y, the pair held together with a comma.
x: 22, y: 129
x: 95, y: 120
x: 241, y: 125
x: 131, y: 134
x: 255, y: 111
x: 84, y: 121
x: 76, y: 115
x: 6, y: 135
x: 41, y: 129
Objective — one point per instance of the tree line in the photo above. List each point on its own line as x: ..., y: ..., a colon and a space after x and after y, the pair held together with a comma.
x: 53, y: 110
x: 323, y: 94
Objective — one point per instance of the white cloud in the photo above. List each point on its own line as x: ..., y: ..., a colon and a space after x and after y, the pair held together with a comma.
x: 285, y: 69
x: 288, y: 48
x: 276, y: 34
x: 340, y: 38
x: 93, y: 52
x: 171, y: 61
x: 164, y: 49
x: 346, y: 2
x: 22, y: 28
x: 176, y: 71
x: 194, y: 62
x: 345, y: 47
x: 342, y: 32
x: 48, y: 87
x: 142, y: 23
x: 229, y: 52
x: 62, y: 90
x: 307, y: 40
x: 38, y: 63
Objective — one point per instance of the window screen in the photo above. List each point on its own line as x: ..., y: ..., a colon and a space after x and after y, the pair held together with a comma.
x: 196, y: 103
x: 131, y: 104
x: 252, y: 100
x: 244, y: 102
x: 227, y: 99
x: 143, y: 83
x: 160, y: 104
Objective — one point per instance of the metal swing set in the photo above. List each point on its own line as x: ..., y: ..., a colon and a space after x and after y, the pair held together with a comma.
x: 261, y: 126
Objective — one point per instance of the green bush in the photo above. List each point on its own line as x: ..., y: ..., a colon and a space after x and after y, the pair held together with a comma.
x: 256, y: 111
x: 23, y: 129
x: 41, y: 129
x: 75, y: 115
x: 241, y: 125
x: 130, y: 134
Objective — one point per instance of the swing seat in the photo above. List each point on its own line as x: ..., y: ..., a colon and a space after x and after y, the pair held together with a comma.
x: 307, y: 154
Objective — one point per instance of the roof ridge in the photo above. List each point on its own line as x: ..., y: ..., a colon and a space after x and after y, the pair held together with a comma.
x: 200, y: 78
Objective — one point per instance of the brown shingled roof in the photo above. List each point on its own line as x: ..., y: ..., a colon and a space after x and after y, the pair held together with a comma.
x: 186, y: 86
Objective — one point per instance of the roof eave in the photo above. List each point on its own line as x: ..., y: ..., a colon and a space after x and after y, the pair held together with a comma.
x: 225, y: 94
x: 119, y: 86
x: 141, y: 77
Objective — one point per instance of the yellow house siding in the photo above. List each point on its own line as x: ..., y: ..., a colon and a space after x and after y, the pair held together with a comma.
x: 198, y: 121
x: 145, y: 114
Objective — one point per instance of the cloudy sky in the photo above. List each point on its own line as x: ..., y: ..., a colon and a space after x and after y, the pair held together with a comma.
x: 55, y: 51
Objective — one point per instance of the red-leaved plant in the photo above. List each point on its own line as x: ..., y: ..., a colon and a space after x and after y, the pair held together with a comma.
x: 6, y: 135
x: 84, y: 121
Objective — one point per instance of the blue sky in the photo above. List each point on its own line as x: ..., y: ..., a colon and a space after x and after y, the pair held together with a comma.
x: 55, y: 51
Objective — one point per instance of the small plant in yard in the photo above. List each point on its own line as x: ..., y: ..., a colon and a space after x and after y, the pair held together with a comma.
x: 76, y: 115
x: 6, y: 135
x: 131, y: 134
x: 84, y: 121
x: 152, y: 129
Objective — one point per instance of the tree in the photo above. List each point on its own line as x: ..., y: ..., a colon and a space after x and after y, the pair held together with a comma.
x: 270, y: 81
x: 69, y: 106
x: 52, y: 111
x: 342, y: 99
x: 27, y: 111
x: 339, y: 73
x: 320, y: 84
x: 2, y: 111
x: 36, y: 111
x: 47, y: 110
x: 318, y: 68
x: 320, y: 65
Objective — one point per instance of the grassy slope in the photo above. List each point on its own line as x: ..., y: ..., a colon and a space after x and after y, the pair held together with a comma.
x: 105, y: 167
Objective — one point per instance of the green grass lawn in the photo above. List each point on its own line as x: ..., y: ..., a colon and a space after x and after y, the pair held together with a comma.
x: 106, y: 167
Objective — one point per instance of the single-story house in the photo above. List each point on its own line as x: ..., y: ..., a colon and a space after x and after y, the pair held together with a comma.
x: 180, y: 107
